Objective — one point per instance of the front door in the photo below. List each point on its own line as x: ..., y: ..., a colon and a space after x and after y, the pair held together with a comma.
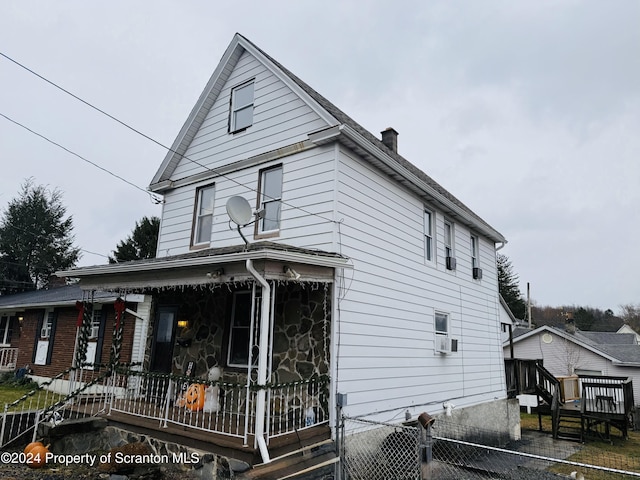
x: 164, y: 333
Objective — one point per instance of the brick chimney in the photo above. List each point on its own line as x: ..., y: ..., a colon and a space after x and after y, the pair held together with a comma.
x: 55, y: 281
x: 569, y: 323
x: 390, y: 139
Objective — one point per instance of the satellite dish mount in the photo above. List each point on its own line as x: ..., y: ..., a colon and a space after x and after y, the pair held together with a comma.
x: 240, y: 213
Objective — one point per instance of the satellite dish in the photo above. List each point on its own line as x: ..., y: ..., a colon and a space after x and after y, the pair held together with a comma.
x: 239, y: 210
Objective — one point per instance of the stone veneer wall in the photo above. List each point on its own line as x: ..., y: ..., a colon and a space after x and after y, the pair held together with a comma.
x: 302, y: 329
x: 206, y: 311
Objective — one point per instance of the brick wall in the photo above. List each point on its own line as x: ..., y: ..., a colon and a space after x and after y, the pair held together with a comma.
x: 64, y: 339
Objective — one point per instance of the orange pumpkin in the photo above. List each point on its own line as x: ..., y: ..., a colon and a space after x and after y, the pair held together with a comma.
x: 36, y: 454
x: 31, y: 445
x: 194, y: 397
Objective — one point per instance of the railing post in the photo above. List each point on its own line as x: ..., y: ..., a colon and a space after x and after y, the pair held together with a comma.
x: 166, y: 401
x: 4, y: 423
x: 35, y: 426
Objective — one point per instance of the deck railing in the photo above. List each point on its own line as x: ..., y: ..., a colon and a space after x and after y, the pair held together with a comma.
x: 8, y: 358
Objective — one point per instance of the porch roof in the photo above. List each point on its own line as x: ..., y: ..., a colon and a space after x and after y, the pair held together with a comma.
x: 195, y: 268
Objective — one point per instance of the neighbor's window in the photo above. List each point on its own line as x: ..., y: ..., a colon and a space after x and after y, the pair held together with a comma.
x: 240, y: 331
x: 47, y: 324
x: 270, y: 199
x: 95, y: 324
x: 442, y: 323
x: 241, y: 107
x: 5, y: 330
x: 448, y: 239
x: 204, y: 214
x: 428, y: 235
x: 474, y: 252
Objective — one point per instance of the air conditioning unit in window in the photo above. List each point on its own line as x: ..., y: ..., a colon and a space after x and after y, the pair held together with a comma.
x: 477, y: 273
x: 446, y: 344
x: 451, y: 263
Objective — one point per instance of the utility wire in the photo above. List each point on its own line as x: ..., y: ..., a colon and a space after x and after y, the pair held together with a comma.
x: 151, y: 139
x: 153, y: 198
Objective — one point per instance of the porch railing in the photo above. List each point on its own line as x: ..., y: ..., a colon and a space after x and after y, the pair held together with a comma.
x: 8, y: 358
x: 221, y: 407
x: 212, y: 406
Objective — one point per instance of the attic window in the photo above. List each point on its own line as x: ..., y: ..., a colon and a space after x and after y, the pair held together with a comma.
x: 241, y: 107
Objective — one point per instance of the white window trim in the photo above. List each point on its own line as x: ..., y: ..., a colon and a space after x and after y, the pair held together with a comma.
x: 198, y: 215
x: 429, y: 246
x: 231, y: 329
x: 475, y: 251
x: 450, y: 244
x: 264, y: 201
x: 447, y: 317
x: 235, y: 108
x: 47, y: 324
x: 4, y: 333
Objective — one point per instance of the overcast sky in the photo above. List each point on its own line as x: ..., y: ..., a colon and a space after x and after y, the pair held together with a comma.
x: 527, y: 111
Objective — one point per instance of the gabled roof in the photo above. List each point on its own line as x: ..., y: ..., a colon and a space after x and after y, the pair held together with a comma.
x: 53, y: 297
x: 624, y: 354
x: 339, y: 124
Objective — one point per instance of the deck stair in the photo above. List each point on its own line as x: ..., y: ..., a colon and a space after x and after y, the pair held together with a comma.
x: 314, y: 461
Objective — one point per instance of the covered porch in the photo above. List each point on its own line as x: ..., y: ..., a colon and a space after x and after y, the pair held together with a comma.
x: 237, y: 350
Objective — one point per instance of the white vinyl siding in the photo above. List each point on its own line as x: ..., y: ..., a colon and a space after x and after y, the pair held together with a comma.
x: 560, y: 352
x: 387, y: 316
x: 305, y: 215
x: 280, y: 118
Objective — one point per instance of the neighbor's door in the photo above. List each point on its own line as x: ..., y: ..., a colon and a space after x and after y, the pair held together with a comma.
x: 164, y: 332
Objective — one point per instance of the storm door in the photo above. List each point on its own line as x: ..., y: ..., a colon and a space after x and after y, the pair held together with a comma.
x: 164, y: 332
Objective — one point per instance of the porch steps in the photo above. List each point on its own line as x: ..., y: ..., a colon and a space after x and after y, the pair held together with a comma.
x: 315, y: 461
x: 570, y: 427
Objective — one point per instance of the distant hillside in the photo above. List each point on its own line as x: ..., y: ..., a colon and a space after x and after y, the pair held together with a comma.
x: 586, y: 318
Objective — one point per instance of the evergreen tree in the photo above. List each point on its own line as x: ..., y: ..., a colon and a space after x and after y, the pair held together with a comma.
x: 142, y: 242
x: 509, y: 288
x: 35, y: 239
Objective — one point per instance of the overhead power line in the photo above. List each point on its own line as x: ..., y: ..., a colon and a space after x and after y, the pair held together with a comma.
x: 151, y: 139
x: 15, y: 122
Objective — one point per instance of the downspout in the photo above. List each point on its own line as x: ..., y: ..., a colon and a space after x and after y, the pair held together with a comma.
x: 263, y: 350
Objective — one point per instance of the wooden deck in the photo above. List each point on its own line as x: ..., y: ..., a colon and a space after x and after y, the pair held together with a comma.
x: 603, y: 402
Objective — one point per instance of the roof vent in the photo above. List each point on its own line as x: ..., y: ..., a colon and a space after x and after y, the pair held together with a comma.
x: 390, y: 139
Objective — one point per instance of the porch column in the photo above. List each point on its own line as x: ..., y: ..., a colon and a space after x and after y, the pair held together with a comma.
x: 263, y: 357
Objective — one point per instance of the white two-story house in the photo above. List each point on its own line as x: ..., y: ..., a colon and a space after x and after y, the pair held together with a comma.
x: 360, y: 275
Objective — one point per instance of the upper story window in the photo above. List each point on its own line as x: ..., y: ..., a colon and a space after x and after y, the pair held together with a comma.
x: 241, y: 107
x: 448, y: 245
x: 203, y: 220
x: 270, y: 195
x: 474, y: 251
x: 428, y: 235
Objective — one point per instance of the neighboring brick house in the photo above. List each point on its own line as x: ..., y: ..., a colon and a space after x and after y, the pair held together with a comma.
x: 39, y: 329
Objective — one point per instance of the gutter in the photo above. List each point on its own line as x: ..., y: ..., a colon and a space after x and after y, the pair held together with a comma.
x: 262, y: 360
x: 293, y: 257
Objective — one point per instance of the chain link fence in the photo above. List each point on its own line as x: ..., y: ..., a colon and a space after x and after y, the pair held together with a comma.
x: 376, y: 450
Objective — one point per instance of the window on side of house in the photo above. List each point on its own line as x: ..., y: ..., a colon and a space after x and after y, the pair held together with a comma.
x: 203, y: 221
x: 240, y: 330
x: 95, y: 324
x: 270, y: 199
x: 428, y: 235
x: 474, y: 251
x: 5, y: 329
x: 442, y: 324
x: 241, y: 114
x: 448, y: 239
x: 47, y: 324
